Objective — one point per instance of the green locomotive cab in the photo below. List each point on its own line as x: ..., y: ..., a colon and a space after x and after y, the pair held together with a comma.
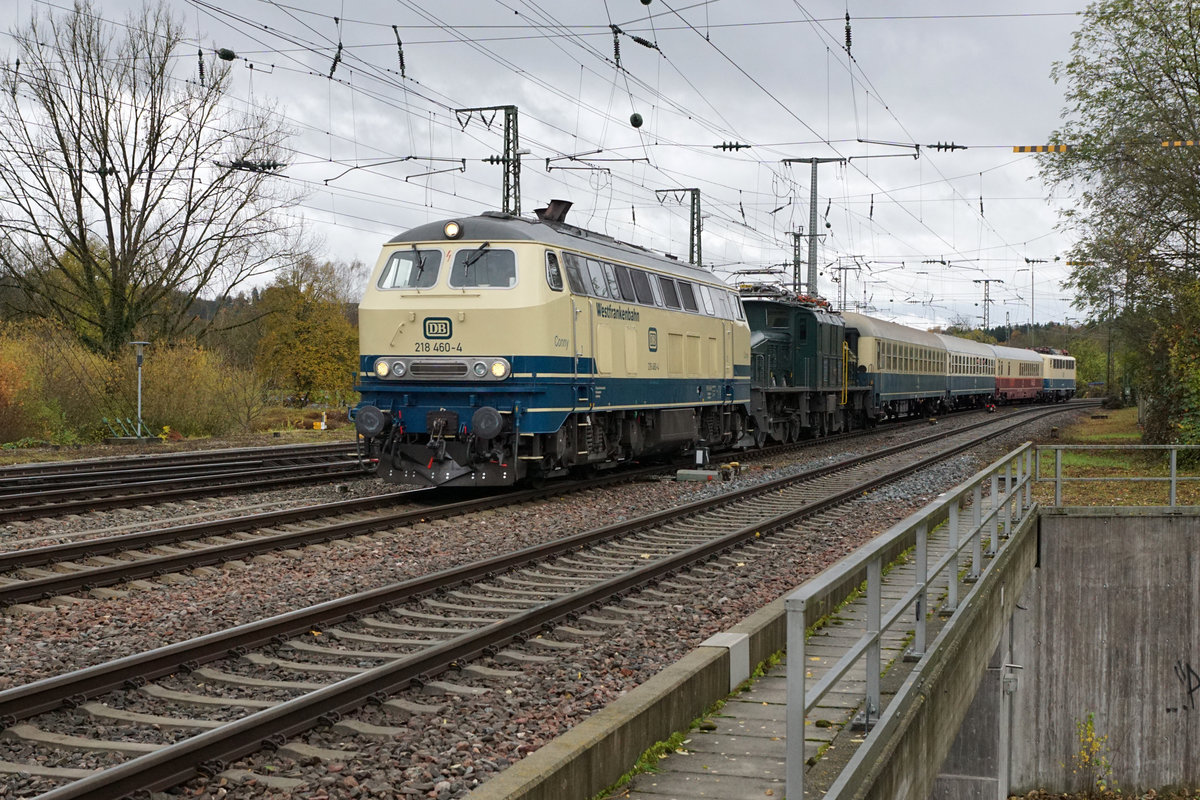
x: 803, y: 377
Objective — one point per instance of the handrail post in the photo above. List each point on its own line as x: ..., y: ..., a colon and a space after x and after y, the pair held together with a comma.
x: 874, y: 623
x: 1029, y: 474
x: 1174, y: 475
x: 797, y: 712
x: 952, y: 574
x: 1058, y: 476
x: 994, y: 506
x: 1008, y: 499
x: 921, y: 581
x: 976, y: 533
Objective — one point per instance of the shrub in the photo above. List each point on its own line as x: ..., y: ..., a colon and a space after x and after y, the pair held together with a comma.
x: 184, y: 387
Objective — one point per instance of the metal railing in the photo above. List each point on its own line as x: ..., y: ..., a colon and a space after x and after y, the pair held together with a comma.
x: 1173, y: 478
x: 1009, y: 503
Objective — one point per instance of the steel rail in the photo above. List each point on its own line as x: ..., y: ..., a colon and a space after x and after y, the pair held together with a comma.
x: 269, y: 453
x: 213, y: 750
x: 49, y: 693
x: 125, y: 494
x: 49, y: 586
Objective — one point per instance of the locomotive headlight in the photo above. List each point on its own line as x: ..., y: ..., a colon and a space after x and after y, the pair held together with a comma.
x: 398, y: 369
x: 381, y: 368
x: 452, y: 230
x: 480, y: 369
x: 500, y: 369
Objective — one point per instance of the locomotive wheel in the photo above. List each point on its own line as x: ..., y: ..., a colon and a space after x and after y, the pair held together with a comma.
x: 760, y: 438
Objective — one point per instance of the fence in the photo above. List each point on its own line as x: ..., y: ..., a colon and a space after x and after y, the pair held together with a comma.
x: 1173, y: 478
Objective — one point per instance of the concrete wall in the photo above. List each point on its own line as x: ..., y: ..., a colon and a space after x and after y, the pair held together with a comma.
x: 1110, y: 626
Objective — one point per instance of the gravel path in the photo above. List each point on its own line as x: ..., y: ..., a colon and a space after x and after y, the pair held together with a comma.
x: 447, y: 760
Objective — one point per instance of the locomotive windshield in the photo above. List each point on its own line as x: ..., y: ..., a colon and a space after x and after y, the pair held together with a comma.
x: 411, y: 269
x: 488, y: 269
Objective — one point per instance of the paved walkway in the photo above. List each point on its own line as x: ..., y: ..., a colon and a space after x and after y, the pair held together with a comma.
x: 739, y: 752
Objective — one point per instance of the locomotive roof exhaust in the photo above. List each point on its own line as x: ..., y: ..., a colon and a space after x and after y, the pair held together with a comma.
x: 556, y: 211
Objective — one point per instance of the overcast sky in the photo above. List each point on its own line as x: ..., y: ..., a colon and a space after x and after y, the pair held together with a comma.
x: 769, y: 73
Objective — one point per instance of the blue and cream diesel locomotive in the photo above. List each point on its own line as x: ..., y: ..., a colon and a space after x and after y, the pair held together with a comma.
x: 496, y: 348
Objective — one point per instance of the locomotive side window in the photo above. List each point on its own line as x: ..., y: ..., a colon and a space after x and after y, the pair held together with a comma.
x: 688, y: 296
x: 669, y: 292
x: 737, y: 306
x: 599, y: 284
x: 706, y: 299
x: 614, y: 290
x: 625, y: 283
x: 641, y: 287
x: 575, y: 269
x: 411, y: 269
x: 553, y: 274
x: 777, y: 318
x: 478, y: 268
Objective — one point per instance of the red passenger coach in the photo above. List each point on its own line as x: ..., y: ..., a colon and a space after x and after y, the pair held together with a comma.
x: 1018, y: 375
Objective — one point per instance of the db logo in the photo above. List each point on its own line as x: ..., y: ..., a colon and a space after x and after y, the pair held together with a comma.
x: 437, y: 328
x: 653, y: 333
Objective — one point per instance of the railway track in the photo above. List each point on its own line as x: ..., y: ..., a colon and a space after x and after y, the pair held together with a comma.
x: 43, y: 490
x: 34, y: 574
x: 197, y: 706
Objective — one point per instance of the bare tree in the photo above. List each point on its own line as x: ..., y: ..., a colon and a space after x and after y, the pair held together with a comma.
x: 126, y: 192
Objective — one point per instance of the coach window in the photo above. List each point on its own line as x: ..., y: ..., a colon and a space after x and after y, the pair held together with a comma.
x: 706, y: 299
x: 669, y: 292
x: 625, y: 284
x: 575, y: 268
x: 641, y: 287
x: 479, y: 268
x: 598, y: 283
x: 688, y: 296
x: 553, y: 273
x: 410, y: 269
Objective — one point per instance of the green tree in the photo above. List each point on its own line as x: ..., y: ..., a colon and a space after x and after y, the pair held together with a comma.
x: 1131, y: 84
x: 309, y: 349
x: 126, y: 193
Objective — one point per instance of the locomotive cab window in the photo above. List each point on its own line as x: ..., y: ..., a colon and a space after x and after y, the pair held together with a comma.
x: 706, y: 299
x: 553, y: 273
x: 411, y: 269
x: 483, y: 268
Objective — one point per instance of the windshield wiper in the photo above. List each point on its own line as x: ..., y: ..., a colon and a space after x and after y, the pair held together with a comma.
x: 420, y: 261
x: 475, y: 256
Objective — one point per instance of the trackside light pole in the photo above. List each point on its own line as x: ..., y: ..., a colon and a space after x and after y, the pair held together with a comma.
x: 140, y: 355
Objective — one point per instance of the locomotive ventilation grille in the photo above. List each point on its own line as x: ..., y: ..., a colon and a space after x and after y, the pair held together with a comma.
x: 438, y: 369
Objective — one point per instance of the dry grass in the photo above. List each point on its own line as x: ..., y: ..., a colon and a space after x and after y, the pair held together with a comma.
x: 1116, y: 428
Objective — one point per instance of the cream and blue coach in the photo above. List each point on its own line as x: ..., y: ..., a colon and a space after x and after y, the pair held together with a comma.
x: 1058, y: 375
x: 905, y: 368
x: 497, y: 348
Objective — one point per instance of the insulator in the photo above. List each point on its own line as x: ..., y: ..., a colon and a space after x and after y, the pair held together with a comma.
x: 337, y: 58
x: 225, y: 54
x: 200, y: 61
x: 399, y: 51
x: 847, y: 31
